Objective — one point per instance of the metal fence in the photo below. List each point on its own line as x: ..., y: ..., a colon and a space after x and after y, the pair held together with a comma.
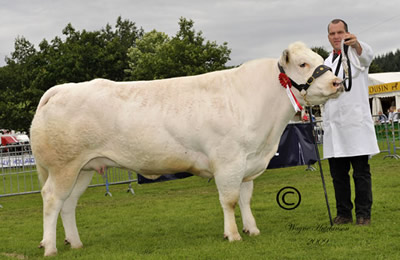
x: 18, y: 173
x: 17, y: 170
x: 388, y: 135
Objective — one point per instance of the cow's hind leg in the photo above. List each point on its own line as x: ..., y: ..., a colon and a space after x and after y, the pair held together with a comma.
x: 229, y: 190
x: 68, y: 210
x: 55, y: 191
x: 249, y: 223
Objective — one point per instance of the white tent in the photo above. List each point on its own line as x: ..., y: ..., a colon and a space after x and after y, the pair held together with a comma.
x: 376, y: 106
x: 382, y: 78
x: 384, y: 85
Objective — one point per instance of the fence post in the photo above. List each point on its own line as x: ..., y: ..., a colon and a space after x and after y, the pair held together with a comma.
x: 396, y: 122
x: 393, y: 132
x: 130, y: 189
x: 108, y: 193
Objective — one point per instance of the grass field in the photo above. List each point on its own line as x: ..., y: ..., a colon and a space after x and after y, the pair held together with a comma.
x: 183, y: 219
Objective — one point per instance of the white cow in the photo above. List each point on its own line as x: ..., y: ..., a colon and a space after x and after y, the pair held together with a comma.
x: 224, y: 125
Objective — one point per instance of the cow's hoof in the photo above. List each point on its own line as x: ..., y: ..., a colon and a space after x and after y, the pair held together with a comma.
x: 252, y: 231
x: 233, y: 237
x: 73, y: 245
x: 76, y: 246
x: 50, y: 252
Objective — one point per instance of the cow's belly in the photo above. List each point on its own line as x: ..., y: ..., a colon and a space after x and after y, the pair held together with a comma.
x: 157, y: 162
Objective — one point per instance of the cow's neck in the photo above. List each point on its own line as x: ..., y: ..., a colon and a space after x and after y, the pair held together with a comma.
x: 267, y: 103
x: 282, y: 113
x: 277, y: 113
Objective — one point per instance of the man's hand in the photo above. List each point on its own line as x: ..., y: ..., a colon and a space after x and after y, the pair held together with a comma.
x: 351, y: 40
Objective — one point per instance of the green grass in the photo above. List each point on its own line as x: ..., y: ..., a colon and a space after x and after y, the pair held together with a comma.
x: 183, y: 219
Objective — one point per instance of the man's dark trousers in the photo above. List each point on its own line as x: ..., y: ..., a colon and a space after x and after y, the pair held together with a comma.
x: 339, y: 168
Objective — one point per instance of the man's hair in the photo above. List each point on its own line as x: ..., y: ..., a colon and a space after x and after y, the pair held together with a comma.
x: 336, y: 21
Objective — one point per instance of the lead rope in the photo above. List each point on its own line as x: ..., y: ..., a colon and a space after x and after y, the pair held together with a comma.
x: 346, y: 67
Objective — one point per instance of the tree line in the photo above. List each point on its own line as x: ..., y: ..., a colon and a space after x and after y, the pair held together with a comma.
x: 121, y: 52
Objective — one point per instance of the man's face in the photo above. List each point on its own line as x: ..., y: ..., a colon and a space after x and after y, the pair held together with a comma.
x: 336, y: 33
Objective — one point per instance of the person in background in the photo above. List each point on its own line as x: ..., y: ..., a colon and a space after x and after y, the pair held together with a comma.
x: 381, y: 117
x: 349, y: 134
x: 391, y: 113
x: 396, y: 116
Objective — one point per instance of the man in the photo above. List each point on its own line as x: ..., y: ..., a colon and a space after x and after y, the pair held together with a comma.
x: 349, y: 135
x: 392, y: 114
x: 396, y: 116
x: 381, y: 117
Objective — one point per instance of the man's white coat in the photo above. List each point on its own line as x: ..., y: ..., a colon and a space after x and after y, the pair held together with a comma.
x: 347, y: 121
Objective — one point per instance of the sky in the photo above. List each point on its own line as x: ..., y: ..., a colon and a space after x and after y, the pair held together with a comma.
x: 252, y: 28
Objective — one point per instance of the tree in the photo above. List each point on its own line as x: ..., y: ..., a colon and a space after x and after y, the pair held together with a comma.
x: 374, y: 67
x: 389, y: 62
x: 17, y: 99
x: 157, y: 56
x: 321, y: 51
x: 82, y: 56
x: 148, y: 59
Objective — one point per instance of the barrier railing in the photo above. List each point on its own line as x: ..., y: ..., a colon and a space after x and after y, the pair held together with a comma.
x: 18, y: 173
x: 17, y: 170
x: 387, y: 132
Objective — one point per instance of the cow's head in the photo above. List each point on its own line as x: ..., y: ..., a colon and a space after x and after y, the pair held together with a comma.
x: 305, y: 67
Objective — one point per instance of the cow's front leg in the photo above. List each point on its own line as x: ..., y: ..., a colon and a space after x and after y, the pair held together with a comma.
x: 249, y: 223
x: 229, y: 190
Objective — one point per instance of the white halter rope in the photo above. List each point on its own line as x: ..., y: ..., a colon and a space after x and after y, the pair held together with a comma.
x: 355, y: 62
x: 344, y: 61
x: 346, y: 54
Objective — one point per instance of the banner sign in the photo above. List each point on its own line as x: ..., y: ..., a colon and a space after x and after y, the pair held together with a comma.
x: 384, y: 88
x: 16, y: 161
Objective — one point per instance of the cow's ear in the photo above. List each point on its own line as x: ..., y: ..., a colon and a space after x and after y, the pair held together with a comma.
x: 284, y: 58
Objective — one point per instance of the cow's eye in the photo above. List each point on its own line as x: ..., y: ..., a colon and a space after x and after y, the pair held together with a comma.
x: 303, y: 65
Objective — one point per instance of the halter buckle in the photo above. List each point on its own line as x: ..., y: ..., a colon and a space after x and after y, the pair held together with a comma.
x: 310, y: 80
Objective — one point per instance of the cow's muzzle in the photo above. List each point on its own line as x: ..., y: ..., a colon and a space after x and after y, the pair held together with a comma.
x: 338, y: 84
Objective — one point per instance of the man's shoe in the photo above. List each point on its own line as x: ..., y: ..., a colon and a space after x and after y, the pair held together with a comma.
x: 361, y: 221
x: 339, y: 220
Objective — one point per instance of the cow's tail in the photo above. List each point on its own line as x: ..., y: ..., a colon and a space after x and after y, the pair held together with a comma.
x: 43, y: 173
